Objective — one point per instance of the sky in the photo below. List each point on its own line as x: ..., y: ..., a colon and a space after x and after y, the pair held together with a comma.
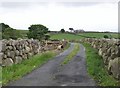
x: 90, y: 15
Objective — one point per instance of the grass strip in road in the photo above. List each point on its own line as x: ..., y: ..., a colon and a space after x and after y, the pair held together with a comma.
x: 72, y: 54
x: 16, y: 71
x: 96, y: 68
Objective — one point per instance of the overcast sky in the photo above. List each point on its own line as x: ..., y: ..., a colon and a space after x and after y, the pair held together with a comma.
x: 90, y: 15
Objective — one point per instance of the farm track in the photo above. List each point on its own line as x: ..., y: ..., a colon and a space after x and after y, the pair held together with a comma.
x: 53, y: 74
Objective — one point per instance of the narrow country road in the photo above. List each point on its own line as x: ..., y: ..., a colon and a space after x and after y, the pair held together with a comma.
x: 53, y: 74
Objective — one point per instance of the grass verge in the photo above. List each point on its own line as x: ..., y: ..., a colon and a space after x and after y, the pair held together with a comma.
x: 16, y: 71
x: 96, y: 68
x: 71, y: 55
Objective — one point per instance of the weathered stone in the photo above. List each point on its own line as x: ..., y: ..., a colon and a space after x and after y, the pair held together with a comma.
x: 12, y: 54
x: 8, y: 53
x: 17, y: 53
x: 29, y: 55
x: 4, y: 56
x: 25, y: 56
x: 18, y: 59
x: 100, y: 52
x: 109, y: 51
x: 3, y: 47
x: 7, y: 62
x: 27, y: 49
x: 113, y: 55
x: 114, y: 67
x: 9, y: 47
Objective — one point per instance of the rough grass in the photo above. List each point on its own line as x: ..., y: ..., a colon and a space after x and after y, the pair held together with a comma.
x: 71, y: 55
x: 16, y: 71
x: 0, y: 76
x: 95, y: 68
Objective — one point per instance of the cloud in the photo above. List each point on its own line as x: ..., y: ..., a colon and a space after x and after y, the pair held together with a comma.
x: 78, y: 4
x: 87, y: 16
x: 20, y: 5
x: 14, y: 5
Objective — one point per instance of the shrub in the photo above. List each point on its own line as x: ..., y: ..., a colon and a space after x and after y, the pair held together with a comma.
x: 106, y: 36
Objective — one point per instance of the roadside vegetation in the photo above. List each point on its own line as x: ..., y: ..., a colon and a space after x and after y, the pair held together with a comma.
x: 72, y: 54
x: 96, y: 68
x: 16, y: 71
x: 0, y: 76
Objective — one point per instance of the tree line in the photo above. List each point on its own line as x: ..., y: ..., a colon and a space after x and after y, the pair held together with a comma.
x: 37, y: 31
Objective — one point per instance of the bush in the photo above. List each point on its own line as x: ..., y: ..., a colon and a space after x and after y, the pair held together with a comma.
x: 62, y: 31
x: 106, y: 36
x: 10, y: 33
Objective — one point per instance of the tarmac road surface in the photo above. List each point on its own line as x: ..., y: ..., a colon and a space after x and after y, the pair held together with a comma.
x: 53, y: 74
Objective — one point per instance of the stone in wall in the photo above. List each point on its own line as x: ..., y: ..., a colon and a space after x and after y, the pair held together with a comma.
x: 114, y: 67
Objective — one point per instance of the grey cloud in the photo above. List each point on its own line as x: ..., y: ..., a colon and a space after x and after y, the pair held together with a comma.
x: 13, y: 5
x: 78, y: 4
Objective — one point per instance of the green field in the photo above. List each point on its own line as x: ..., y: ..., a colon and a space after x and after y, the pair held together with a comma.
x: 100, y: 35
x: 68, y: 36
x: 61, y: 36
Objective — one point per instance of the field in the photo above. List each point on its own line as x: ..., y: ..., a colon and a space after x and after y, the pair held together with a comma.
x: 70, y: 36
x: 100, y: 35
x: 82, y: 35
x: 61, y: 36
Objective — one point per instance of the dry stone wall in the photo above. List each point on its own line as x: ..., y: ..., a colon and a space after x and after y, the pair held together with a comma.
x: 109, y: 50
x: 14, y: 51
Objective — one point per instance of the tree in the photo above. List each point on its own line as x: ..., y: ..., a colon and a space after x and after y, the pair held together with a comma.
x: 62, y: 31
x: 10, y: 33
x: 37, y: 31
x: 71, y: 29
x: 3, y: 27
